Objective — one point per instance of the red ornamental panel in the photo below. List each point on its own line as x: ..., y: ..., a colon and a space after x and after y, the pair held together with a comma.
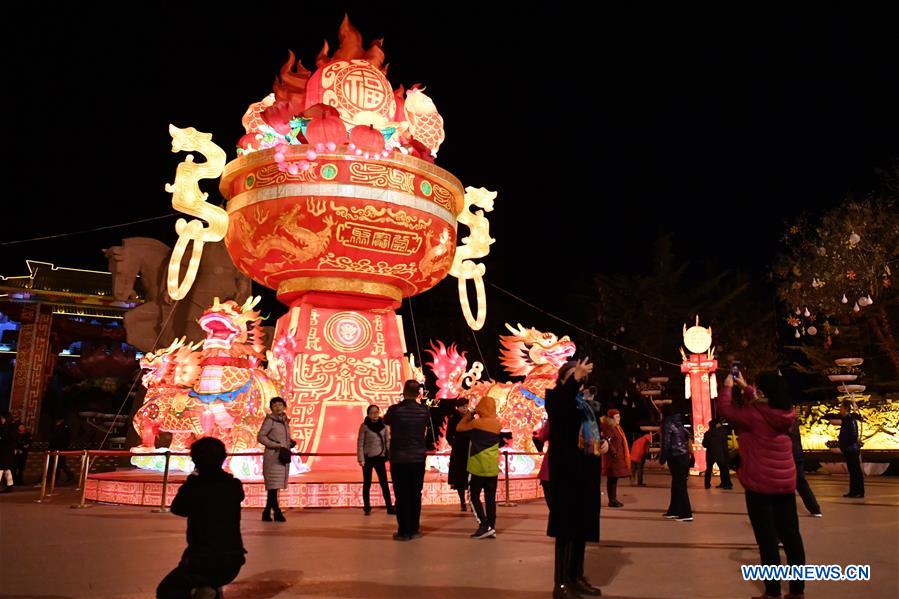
x: 381, y: 229
x: 334, y: 362
x: 31, y: 363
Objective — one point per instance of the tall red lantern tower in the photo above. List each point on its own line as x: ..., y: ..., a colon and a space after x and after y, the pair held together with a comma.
x: 700, y: 384
x: 335, y: 202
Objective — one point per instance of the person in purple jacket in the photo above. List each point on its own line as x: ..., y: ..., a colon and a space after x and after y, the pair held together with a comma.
x: 767, y: 470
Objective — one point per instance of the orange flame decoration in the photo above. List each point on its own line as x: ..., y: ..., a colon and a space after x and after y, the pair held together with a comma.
x: 290, y: 85
x: 350, y: 48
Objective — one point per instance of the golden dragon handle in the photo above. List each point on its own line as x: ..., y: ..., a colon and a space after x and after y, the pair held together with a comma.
x: 475, y: 245
x: 187, y: 197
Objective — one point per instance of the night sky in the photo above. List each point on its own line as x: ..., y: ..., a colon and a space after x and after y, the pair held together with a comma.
x: 599, y: 131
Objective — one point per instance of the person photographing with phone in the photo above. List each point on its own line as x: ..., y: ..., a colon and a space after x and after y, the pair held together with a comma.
x: 483, y: 428
x: 575, y: 467
x: 767, y: 470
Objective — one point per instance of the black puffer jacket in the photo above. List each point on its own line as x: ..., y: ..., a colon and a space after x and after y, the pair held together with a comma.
x: 675, y: 438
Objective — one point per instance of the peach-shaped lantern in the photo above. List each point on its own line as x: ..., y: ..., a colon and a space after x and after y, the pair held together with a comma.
x: 367, y: 138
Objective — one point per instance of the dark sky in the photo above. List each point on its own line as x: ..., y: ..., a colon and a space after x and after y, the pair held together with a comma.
x: 599, y: 131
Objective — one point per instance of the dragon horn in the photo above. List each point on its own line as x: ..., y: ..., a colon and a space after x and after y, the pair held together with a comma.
x: 251, y: 303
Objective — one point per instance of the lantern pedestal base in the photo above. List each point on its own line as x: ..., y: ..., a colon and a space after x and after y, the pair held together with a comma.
x: 320, y: 489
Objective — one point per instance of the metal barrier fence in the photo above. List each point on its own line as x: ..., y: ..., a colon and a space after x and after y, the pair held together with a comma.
x: 88, y: 454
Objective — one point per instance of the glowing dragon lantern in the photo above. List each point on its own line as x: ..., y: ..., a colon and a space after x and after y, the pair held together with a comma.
x: 527, y: 352
x: 700, y: 384
x: 218, y: 390
x: 342, y: 229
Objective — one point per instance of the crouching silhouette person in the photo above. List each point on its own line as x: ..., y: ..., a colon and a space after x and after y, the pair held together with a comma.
x: 210, y: 500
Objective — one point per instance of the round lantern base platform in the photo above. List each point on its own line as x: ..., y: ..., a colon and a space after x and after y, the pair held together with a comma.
x: 312, y: 490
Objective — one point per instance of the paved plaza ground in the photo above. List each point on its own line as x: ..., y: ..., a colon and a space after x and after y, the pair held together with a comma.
x: 52, y: 551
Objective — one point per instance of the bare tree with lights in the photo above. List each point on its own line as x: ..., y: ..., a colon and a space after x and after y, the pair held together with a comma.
x: 837, y: 270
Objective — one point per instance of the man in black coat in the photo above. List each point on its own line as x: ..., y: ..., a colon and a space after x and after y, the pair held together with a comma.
x: 850, y: 445
x: 408, y: 422
x: 715, y: 443
x: 575, y: 479
x: 23, y: 446
x: 210, y: 500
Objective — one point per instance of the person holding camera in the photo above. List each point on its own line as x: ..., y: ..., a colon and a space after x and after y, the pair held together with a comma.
x: 767, y: 470
x: 408, y: 422
x: 371, y: 449
x: 210, y: 499
x: 483, y: 462
x: 457, y: 475
x: 275, y: 436
x: 575, y: 473
x: 677, y: 452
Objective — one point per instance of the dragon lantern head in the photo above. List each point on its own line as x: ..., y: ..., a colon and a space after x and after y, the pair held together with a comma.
x: 449, y: 366
x: 176, y: 365
x: 525, y: 349
x: 234, y: 328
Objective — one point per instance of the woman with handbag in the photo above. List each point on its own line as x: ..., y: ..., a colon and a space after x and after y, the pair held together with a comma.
x: 275, y: 436
x: 371, y: 449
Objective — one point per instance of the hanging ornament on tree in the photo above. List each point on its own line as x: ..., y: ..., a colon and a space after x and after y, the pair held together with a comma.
x: 863, y: 301
x: 796, y: 334
x: 856, y: 308
x: 869, y: 300
x: 806, y: 313
x: 812, y: 331
x: 836, y: 331
x: 798, y: 310
x: 854, y: 238
x: 845, y: 299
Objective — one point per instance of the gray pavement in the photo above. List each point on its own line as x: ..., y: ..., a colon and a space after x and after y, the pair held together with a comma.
x: 52, y: 551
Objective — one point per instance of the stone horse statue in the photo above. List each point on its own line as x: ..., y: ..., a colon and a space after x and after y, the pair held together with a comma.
x: 160, y: 320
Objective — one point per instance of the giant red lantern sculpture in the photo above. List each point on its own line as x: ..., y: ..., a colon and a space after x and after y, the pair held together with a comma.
x: 700, y: 384
x: 335, y: 203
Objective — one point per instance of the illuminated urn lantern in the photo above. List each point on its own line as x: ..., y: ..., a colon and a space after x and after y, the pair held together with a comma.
x: 700, y: 385
x: 343, y: 220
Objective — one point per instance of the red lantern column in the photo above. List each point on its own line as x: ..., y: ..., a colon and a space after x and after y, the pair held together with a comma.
x: 336, y: 361
x: 698, y: 368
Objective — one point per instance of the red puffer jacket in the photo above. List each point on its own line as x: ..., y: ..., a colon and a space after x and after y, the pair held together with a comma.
x: 766, y: 450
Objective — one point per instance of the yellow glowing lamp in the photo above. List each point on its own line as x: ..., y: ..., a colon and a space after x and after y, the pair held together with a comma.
x: 187, y: 197
x: 697, y: 339
x: 475, y: 245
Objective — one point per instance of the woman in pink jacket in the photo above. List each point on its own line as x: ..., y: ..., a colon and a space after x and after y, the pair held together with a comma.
x: 767, y: 470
